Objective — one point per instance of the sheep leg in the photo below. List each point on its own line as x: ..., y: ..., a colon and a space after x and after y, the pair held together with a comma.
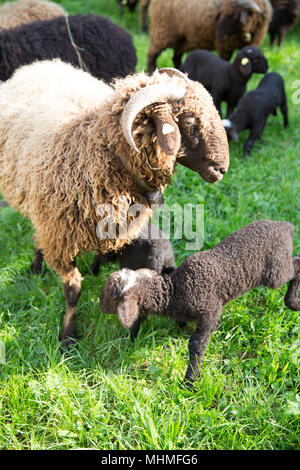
x: 280, y: 38
x: 291, y: 298
x: 144, y: 18
x: 177, y: 56
x: 255, y: 134
x: 136, y: 328
x: 272, y: 39
x: 37, y: 264
x: 152, y: 61
x: 94, y: 268
x: 284, y: 111
x: 197, y: 344
x: 72, y: 289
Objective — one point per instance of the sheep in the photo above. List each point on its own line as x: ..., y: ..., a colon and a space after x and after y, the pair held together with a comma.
x: 223, y: 26
x: 151, y: 250
x: 284, y: 17
x: 258, y: 254
x: 13, y: 14
x: 92, y: 42
x: 225, y: 81
x: 254, y: 109
x: 77, y: 156
x: 131, y: 5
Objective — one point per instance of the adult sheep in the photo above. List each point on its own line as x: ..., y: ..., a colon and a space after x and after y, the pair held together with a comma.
x: 13, y: 14
x: 77, y: 156
x: 92, y: 42
x: 206, y: 24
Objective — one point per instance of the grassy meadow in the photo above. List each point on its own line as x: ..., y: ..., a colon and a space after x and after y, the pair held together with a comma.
x: 115, y: 394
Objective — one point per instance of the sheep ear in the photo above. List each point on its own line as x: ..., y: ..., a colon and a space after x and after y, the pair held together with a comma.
x: 168, y: 135
x: 128, y: 311
x: 234, y: 135
x: 245, y: 66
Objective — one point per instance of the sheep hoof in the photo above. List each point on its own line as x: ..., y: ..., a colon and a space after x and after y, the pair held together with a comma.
x: 293, y: 305
x: 188, y: 385
x: 67, y: 345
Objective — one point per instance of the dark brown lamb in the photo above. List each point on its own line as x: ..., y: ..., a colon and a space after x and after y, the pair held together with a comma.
x: 257, y: 254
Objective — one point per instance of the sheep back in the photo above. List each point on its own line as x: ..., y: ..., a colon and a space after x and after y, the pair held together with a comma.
x: 195, y: 24
x: 106, y: 50
x: 13, y: 14
x: 258, y: 254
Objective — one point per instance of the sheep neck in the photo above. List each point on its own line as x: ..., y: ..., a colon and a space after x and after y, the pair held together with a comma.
x: 155, y: 295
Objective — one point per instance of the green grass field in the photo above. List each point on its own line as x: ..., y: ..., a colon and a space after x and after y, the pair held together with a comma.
x: 114, y: 394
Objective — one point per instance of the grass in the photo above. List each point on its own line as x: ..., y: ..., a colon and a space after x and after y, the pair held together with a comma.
x: 112, y: 394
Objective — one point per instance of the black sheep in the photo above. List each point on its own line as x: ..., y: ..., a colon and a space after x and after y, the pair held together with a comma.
x: 254, y: 109
x: 93, y: 42
x: 284, y: 17
x: 258, y: 254
x: 224, y: 80
x: 130, y: 4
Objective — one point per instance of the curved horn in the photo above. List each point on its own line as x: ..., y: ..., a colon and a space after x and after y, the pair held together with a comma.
x: 142, y: 98
x: 248, y: 4
x: 174, y: 73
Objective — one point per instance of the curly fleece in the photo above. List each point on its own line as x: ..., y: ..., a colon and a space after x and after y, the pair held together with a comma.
x: 13, y: 14
x: 60, y: 143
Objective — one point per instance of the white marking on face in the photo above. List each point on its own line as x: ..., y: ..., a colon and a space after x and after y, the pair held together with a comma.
x: 128, y: 277
x: 227, y: 123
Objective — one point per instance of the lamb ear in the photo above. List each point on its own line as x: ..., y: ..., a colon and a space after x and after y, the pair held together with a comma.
x: 168, y: 135
x: 245, y: 66
x: 234, y: 135
x: 128, y: 311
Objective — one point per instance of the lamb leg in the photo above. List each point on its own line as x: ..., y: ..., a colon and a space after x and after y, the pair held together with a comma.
x: 197, y: 344
x: 37, y: 264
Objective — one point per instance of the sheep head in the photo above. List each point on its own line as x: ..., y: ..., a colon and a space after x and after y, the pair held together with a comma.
x: 236, y: 23
x: 250, y: 60
x: 173, y: 120
x: 120, y: 294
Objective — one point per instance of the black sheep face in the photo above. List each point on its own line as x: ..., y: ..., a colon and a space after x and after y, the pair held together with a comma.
x: 130, y: 4
x: 252, y: 58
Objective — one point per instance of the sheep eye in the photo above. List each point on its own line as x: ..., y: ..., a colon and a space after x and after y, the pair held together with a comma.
x: 189, y: 122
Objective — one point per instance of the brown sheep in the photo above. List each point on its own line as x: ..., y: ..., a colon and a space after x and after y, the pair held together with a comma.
x: 206, y: 24
x: 78, y: 156
x: 259, y: 254
x: 13, y: 14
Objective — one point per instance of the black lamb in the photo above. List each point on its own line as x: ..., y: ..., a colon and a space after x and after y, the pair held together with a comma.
x: 254, y: 109
x: 258, y: 254
x: 91, y: 42
x: 284, y: 17
x: 224, y: 80
x: 151, y: 250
